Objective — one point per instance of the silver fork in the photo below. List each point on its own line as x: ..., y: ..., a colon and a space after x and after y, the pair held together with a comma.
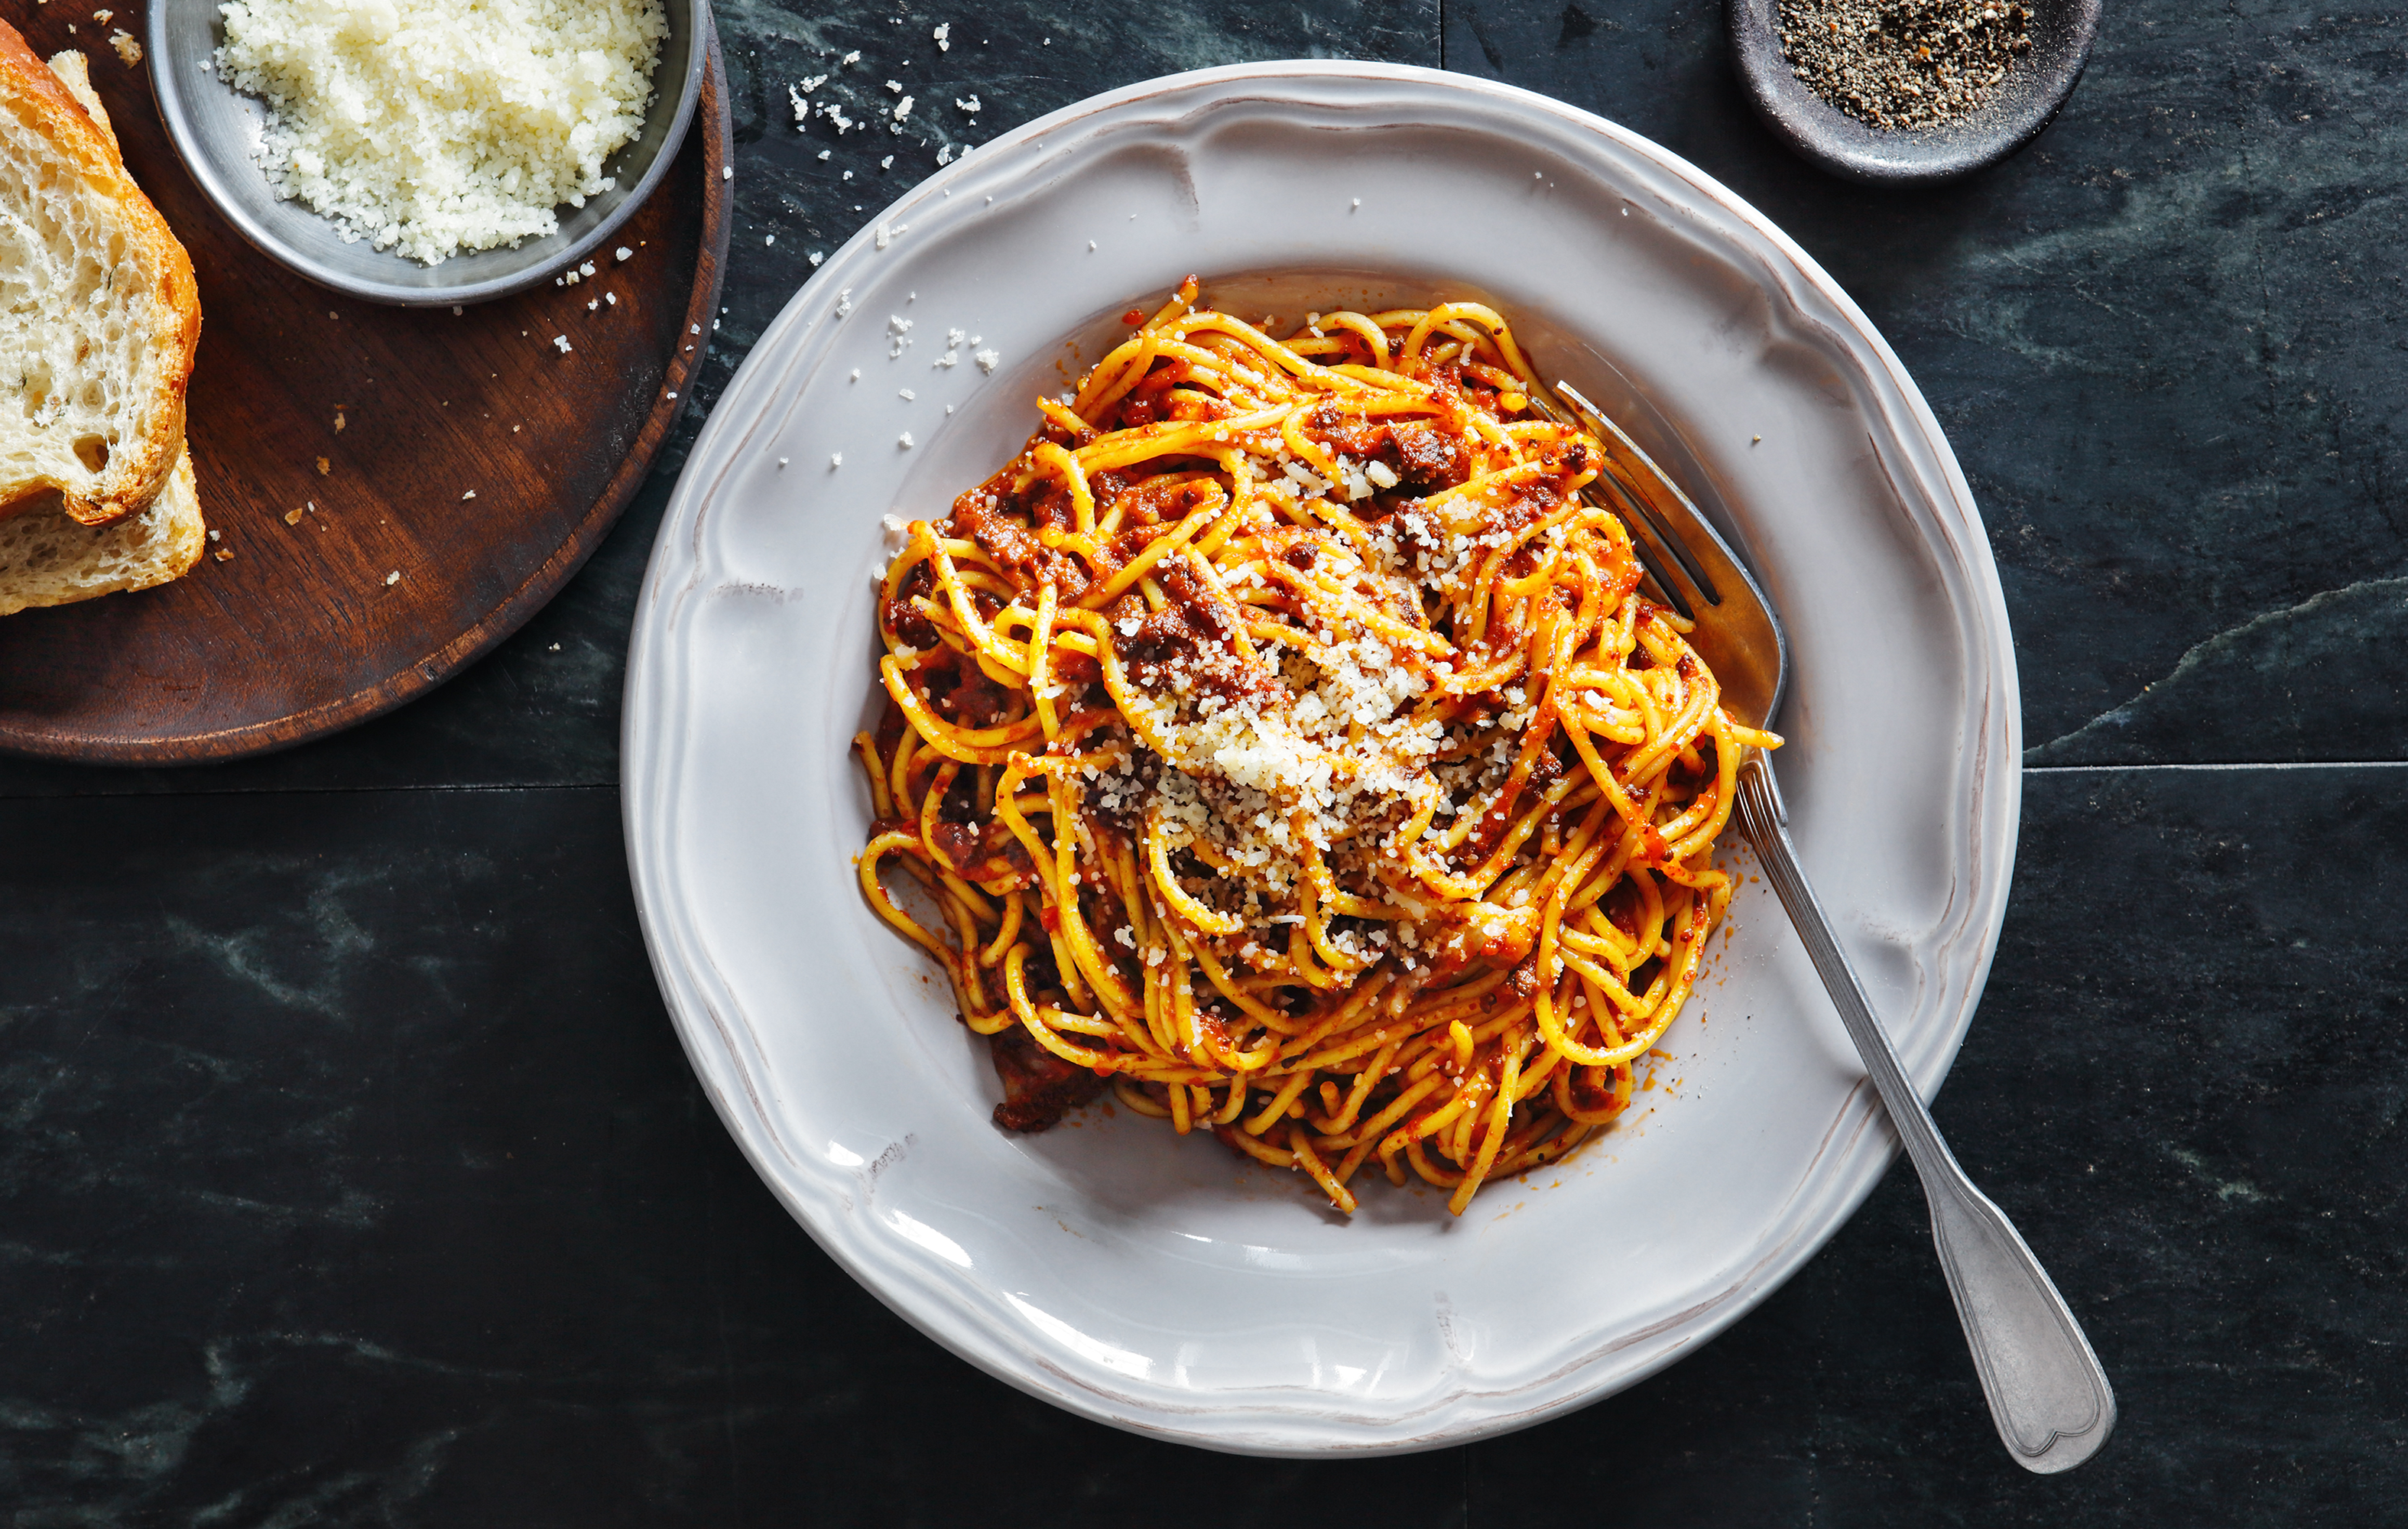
x: 2047, y: 1392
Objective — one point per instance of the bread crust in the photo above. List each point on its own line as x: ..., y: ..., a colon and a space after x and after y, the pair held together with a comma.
x: 136, y: 470
x: 48, y: 560
x: 74, y: 72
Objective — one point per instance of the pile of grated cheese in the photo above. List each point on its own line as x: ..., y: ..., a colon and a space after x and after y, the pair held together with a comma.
x: 439, y: 126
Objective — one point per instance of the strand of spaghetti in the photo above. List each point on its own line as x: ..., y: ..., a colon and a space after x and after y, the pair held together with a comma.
x: 1069, y: 922
x: 1051, y: 455
x: 1437, y: 320
x: 881, y: 802
x: 937, y: 786
x: 1288, y: 1094
x: 1169, y: 1022
x: 1166, y: 882
x: 1175, y: 437
x: 1292, y: 434
x: 1612, y: 788
x: 1060, y: 416
x: 1263, y: 345
x: 1007, y: 935
x: 1499, y: 331
x: 1615, y: 1104
x: 1178, y: 997
x: 1348, y: 1047
x: 1040, y: 649
x: 1374, y: 1130
x: 1654, y: 754
x: 965, y: 610
x: 1373, y: 337
x: 1318, y: 894
x: 1495, y: 1138
x: 1217, y: 595
x: 1300, y: 1141
x: 1015, y: 986
x: 1253, y: 1008
x: 1430, y: 1172
x: 1197, y: 1033
x: 1727, y: 757
x: 1081, y: 1024
x: 1350, y: 607
x: 1365, y: 990
x: 970, y: 745
x: 1206, y: 368
x: 1491, y: 567
x: 1430, y: 1124
x: 1449, y: 1002
x: 1364, y: 1081
x: 1270, y: 1156
x: 1107, y: 384
x: 1121, y: 874
x: 865, y: 868
x: 899, y: 770
x: 1470, y: 886
x: 1155, y: 550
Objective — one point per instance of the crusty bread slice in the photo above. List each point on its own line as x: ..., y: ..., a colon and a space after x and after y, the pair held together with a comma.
x: 47, y: 558
x: 99, y: 315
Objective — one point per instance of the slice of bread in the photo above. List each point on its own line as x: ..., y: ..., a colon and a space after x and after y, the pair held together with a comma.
x: 99, y: 315
x: 47, y: 558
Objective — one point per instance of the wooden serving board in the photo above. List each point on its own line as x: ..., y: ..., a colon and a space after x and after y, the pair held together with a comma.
x: 466, y: 453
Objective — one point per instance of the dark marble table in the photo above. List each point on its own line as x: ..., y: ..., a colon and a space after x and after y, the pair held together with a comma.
x: 350, y: 1173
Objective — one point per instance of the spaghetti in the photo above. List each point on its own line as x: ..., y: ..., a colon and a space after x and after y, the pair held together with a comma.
x: 1281, y: 742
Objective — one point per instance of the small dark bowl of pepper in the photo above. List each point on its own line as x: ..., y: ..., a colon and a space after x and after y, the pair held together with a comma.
x: 2056, y: 33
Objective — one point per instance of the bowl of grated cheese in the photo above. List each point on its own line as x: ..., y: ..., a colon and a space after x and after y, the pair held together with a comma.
x: 427, y: 152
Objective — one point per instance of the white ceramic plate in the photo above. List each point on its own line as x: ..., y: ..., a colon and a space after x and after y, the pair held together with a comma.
x: 1162, y: 1284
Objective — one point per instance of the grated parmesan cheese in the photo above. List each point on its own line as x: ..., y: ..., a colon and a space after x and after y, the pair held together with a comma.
x: 437, y: 126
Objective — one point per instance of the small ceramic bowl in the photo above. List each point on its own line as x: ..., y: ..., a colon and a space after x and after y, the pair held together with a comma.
x: 216, y: 130
x: 2025, y: 103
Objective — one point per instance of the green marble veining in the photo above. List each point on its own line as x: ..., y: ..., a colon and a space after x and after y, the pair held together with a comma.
x: 350, y: 1174
x: 2167, y: 344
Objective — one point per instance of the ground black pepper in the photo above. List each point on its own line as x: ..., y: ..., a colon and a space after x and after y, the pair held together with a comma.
x: 1904, y: 65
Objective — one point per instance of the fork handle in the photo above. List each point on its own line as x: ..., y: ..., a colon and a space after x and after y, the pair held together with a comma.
x: 2047, y: 1392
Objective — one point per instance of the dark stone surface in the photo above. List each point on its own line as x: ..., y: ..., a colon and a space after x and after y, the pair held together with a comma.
x: 350, y: 1174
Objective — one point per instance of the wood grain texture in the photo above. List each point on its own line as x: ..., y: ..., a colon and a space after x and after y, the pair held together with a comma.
x: 464, y: 452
